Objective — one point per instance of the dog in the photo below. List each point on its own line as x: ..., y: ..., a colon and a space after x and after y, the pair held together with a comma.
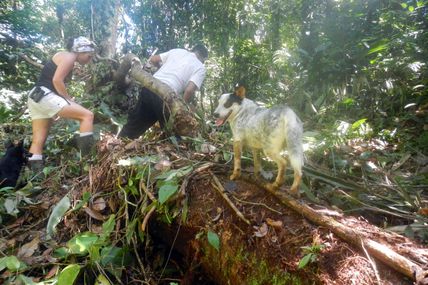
x: 270, y: 130
x: 11, y: 164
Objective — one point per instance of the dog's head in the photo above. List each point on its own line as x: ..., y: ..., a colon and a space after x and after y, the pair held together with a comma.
x: 228, y: 105
x: 15, y: 151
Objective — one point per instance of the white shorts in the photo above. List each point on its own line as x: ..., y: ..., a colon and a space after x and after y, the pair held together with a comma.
x: 48, y: 106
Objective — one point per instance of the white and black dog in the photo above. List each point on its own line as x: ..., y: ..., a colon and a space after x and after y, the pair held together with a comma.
x: 271, y: 130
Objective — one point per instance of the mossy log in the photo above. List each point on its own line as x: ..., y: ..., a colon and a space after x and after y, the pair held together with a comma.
x: 183, y: 121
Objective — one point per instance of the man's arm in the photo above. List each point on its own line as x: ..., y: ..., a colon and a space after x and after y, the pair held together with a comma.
x: 189, y: 92
x: 156, y: 60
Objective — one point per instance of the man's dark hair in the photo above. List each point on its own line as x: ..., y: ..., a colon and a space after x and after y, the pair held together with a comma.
x: 69, y: 44
x: 201, y: 50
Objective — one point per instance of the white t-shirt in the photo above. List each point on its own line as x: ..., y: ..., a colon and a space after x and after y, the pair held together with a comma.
x: 180, y: 66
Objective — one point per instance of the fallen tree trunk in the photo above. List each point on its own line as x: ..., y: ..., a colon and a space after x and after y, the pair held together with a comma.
x: 358, y: 239
x: 262, y: 244
x: 183, y: 121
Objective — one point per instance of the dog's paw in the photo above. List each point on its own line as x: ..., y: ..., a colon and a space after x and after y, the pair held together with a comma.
x: 272, y: 186
x: 295, y: 192
x: 235, y: 175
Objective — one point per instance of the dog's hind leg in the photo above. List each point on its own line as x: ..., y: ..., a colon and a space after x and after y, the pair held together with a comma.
x: 237, y: 151
x: 295, y: 154
x: 257, y: 163
x: 282, y: 165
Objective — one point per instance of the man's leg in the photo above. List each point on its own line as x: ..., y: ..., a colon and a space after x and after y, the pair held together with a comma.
x: 142, y: 116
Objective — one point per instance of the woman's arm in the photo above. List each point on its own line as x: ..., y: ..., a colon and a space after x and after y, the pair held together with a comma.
x: 65, y: 64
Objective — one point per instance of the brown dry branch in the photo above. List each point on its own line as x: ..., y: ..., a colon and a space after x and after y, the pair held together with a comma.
x: 220, y: 189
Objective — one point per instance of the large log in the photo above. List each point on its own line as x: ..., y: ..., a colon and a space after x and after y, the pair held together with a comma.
x: 240, y: 261
x: 182, y: 120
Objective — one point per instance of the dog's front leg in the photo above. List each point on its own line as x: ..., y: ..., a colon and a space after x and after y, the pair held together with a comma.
x: 237, y: 149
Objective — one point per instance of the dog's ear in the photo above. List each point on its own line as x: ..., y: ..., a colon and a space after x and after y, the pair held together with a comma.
x: 240, y: 92
x: 8, y: 143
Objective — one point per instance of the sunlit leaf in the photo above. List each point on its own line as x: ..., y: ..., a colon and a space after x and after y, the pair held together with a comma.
x: 69, y: 274
x: 102, y: 280
x: 305, y: 260
x: 80, y: 243
x: 57, y: 213
x: 166, y: 191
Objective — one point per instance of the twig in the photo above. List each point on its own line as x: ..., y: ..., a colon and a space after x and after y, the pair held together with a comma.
x: 147, y: 217
x: 148, y: 193
x: 257, y: 204
x: 373, y: 264
x: 222, y: 192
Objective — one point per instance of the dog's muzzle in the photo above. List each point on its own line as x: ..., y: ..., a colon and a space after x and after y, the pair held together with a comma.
x: 220, y: 121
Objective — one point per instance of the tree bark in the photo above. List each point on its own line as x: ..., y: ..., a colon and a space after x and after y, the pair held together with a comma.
x: 183, y: 121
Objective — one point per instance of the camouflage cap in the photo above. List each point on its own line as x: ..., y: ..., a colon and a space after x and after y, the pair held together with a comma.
x: 82, y: 44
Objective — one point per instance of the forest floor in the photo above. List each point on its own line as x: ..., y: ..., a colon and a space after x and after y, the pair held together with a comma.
x: 268, y: 250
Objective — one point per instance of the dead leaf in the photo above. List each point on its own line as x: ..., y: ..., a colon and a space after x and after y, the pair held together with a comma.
x: 274, y: 224
x: 208, y: 148
x: 29, y: 248
x: 52, y: 272
x: 261, y: 231
x: 423, y: 211
x: 163, y: 165
x: 99, y: 204
x: 94, y: 214
x: 132, y: 145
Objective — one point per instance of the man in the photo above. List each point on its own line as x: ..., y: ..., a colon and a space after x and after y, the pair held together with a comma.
x: 181, y: 70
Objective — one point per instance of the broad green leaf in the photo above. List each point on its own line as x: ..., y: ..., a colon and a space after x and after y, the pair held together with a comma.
x: 57, y: 213
x: 166, y: 191
x: 13, y: 263
x: 69, y: 274
x: 305, y: 260
x: 108, y: 227
x: 102, y: 280
x: 80, y: 243
x: 213, y: 240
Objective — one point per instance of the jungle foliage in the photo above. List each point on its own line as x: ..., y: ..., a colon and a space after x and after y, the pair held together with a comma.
x: 354, y: 70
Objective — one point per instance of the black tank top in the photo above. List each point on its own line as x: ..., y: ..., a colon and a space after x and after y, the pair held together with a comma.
x: 47, y: 75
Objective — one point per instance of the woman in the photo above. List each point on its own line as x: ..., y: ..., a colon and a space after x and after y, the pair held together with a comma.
x: 49, y: 98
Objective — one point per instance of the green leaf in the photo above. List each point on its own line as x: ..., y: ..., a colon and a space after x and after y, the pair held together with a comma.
x: 61, y: 252
x: 102, y: 280
x: 26, y: 280
x: 305, y: 260
x: 358, y: 123
x: 12, y: 263
x: 166, y: 191
x: 57, y: 213
x: 411, y: 8
x: 69, y: 274
x: 85, y: 198
x: 130, y: 230
x: 108, y: 227
x: 80, y: 243
x: 213, y: 240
